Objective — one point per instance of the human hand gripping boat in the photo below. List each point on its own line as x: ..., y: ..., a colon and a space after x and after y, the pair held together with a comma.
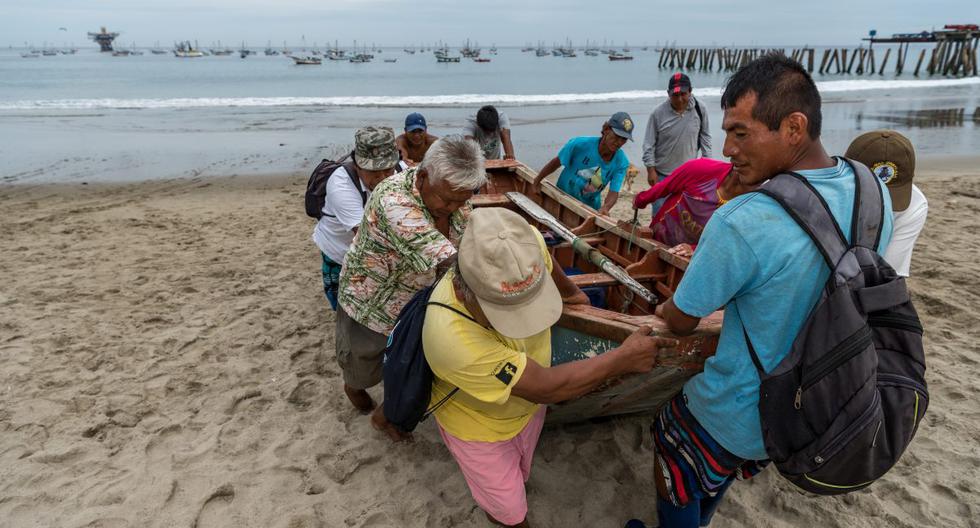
x: 616, y: 309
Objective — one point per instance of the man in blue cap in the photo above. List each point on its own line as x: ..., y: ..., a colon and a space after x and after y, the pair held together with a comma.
x: 593, y: 163
x: 416, y: 140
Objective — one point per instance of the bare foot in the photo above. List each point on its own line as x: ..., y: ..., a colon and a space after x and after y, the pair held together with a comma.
x: 379, y: 422
x: 361, y: 400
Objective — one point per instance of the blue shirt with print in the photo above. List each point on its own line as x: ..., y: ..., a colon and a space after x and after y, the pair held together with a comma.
x: 583, y: 164
x: 758, y: 264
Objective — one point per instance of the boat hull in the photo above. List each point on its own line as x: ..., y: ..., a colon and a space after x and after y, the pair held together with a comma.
x: 586, y: 331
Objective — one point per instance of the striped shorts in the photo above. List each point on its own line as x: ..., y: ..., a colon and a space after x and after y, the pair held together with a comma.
x: 693, y: 464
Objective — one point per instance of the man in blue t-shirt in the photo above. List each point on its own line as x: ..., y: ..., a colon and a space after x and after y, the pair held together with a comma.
x: 754, y: 261
x: 593, y: 163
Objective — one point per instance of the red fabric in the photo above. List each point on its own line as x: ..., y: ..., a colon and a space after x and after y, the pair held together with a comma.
x: 695, y: 180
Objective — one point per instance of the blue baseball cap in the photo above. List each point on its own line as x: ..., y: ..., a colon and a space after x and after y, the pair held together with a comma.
x: 622, y: 125
x: 415, y: 121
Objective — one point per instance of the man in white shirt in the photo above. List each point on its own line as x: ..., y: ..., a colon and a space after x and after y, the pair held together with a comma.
x: 375, y: 157
x: 491, y: 130
x: 891, y: 157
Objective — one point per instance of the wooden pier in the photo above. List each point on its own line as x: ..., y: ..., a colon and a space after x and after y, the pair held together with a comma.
x: 953, y: 54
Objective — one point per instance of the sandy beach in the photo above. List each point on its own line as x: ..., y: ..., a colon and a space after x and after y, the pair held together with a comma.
x: 166, y: 359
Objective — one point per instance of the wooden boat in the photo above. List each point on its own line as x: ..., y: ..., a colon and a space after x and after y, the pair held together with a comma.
x: 584, y: 331
x: 616, y: 56
x: 306, y: 61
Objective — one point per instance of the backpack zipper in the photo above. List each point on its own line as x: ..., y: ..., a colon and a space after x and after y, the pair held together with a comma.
x: 849, y: 432
x: 844, y: 351
x: 900, y: 322
x: 896, y: 379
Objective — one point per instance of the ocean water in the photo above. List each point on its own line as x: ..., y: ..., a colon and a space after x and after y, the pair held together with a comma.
x: 94, y: 117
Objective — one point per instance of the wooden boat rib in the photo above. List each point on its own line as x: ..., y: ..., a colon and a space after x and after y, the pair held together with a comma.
x: 584, y: 331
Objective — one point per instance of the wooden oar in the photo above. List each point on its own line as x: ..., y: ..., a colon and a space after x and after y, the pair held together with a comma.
x: 581, y: 246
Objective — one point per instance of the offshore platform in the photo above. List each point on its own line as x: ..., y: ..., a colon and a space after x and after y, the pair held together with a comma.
x: 104, y: 39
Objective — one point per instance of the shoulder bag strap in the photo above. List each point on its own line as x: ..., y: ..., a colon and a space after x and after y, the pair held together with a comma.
x: 810, y: 211
x: 438, y: 404
x: 868, y: 216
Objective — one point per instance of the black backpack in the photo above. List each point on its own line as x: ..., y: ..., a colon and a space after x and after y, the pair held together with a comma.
x: 407, y: 376
x: 316, y: 187
x: 839, y: 410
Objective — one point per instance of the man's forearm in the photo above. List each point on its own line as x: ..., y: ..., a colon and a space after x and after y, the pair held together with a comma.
x: 571, y: 380
x: 548, y: 168
x: 677, y: 321
x: 508, y: 145
x: 566, y: 288
x: 651, y: 175
x: 610, y: 201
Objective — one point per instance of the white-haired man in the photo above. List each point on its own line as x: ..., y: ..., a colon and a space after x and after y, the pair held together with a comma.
x: 411, y: 227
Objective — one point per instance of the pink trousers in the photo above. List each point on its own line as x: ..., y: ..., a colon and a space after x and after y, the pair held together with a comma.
x: 496, y: 471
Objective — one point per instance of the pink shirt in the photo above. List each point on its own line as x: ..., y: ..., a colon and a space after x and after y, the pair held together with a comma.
x: 692, y: 197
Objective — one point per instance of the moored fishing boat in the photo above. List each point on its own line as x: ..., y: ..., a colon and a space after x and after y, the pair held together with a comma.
x: 306, y: 61
x: 616, y: 310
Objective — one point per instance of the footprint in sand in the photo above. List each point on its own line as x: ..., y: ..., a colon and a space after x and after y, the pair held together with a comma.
x: 214, y: 511
x: 341, y: 467
x: 303, y: 395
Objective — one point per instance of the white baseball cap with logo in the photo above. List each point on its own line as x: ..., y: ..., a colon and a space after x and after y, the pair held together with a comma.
x: 502, y: 261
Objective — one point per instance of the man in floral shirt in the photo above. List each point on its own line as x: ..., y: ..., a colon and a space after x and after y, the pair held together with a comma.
x: 411, y: 227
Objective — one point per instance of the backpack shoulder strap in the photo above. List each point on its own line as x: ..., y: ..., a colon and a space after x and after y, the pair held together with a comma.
x: 808, y: 208
x: 697, y: 108
x: 869, y: 207
x: 348, y: 164
x: 450, y: 308
x: 446, y: 398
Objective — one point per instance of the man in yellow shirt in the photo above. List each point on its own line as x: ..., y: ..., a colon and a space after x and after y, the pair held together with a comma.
x: 499, y: 354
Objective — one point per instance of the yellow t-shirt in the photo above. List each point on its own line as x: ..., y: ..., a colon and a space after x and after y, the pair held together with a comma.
x: 483, y: 364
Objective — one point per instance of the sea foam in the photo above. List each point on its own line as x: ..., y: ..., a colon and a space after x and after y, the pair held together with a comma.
x: 857, y: 85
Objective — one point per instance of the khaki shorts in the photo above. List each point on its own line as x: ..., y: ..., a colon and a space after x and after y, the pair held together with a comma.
x: 359, y: 352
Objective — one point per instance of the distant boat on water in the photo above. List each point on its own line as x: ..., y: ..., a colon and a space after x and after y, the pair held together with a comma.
x: 221, y: 51
x: 391, y: 60
x: 481, y: 59
x: 185, y: 50
x: 306, y: 61
x: 31, y: 55
x: 442, y: 55
x: 617, y: 56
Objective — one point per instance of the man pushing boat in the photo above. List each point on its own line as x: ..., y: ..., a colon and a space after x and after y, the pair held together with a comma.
x: 487, y: 333
x: 592, y: 163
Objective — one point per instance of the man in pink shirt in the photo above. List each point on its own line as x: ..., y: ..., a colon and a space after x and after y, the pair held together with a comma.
x: 693, y: 192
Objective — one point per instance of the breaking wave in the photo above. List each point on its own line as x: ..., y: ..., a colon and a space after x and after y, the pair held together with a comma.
x: 857, y: 85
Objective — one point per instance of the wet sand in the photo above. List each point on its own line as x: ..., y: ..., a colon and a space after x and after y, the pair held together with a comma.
x: 166, y: 359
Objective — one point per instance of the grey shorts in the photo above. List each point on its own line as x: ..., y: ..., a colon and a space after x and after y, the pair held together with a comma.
x: 359, y: 352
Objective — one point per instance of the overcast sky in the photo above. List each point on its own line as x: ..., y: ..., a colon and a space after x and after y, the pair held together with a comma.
x: 504, y: 22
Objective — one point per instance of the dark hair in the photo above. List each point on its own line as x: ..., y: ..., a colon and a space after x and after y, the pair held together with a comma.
x: 488, y: 119
x: 781, y: 86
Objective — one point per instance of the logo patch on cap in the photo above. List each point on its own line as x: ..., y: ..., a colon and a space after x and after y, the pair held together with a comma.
x: 518, y: 287
x: 886, y: 171
x: 628, y: 125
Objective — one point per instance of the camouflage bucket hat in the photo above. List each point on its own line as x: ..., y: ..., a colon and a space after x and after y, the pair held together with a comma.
x: 374, y: 148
